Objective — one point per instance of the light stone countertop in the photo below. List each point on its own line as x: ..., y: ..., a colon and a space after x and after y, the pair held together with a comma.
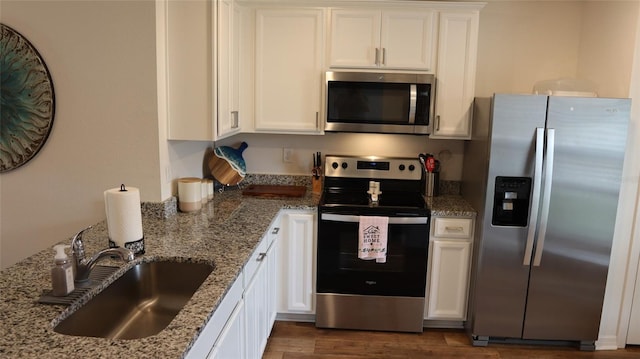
x: 225, y: 232
x: 450, y: 206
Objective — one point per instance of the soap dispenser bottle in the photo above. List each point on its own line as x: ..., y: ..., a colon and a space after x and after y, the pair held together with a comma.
x: 62, y: 272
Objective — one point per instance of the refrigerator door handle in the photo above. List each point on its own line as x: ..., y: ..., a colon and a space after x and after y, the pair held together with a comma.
x: 546, y: 196
x: 535, y: 199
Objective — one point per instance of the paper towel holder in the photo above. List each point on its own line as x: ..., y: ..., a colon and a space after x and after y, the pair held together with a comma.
x: 137, y: 245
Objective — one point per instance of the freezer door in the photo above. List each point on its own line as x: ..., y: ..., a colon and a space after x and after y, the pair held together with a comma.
x: 569, y: 271
x: 498, y: 301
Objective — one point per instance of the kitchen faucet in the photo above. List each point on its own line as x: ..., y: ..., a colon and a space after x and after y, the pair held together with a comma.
x: 82, y: 266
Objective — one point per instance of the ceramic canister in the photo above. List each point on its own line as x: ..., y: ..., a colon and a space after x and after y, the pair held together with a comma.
x: 189, y: 194
x: 203, y: 190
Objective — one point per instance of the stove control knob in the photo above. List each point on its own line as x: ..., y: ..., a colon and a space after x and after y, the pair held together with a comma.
x: 344, y: 165
x: 401, y: 167
x: 334, y: 165
x: 412, y: 167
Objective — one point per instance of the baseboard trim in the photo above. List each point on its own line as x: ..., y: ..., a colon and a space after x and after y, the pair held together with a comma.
x: 443, y: 324
x: 607, y: 343
x: 296, y: 317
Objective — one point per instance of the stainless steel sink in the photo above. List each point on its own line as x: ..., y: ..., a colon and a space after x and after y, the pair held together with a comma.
x: 141, y: 303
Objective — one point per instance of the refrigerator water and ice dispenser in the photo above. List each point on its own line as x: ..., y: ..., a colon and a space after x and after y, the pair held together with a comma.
x: 511, y: 201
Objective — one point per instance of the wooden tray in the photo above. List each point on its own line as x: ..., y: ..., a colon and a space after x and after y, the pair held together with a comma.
x: 270, y: 191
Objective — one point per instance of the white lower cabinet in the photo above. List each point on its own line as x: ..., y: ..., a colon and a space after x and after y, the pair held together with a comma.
x: 256, y: 313
x: 227, y: 313
x: 633, y: 336
x: 296, y: 265
x: 449, y: 263
x: 240, y: 326
x: 231, y: 342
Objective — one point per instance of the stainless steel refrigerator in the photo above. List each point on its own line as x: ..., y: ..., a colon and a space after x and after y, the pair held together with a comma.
x: 544, y: 174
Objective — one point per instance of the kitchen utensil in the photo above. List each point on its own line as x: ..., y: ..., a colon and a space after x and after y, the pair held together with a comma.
x: 430, y: 163
x: 227, y: 165
x: 317, y: 165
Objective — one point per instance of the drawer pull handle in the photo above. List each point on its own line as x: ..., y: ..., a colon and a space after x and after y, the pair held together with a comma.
x: 453, y: 229
x: 261, y: 257
x: 275, y: 230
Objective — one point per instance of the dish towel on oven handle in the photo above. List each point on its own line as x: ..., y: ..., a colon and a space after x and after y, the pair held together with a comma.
x: 372, y: 238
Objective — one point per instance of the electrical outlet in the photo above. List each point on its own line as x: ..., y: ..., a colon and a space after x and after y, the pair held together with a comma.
x: 287, y: 155
x: 167, y: 174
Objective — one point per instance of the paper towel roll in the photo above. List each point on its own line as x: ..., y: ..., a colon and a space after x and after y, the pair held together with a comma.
x: 124, y: 218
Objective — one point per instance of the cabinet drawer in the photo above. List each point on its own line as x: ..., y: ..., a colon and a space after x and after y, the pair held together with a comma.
x: 452, y: 227
x: 254, y: 262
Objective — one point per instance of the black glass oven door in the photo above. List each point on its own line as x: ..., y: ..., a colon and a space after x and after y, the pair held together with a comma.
x: 339, y: 270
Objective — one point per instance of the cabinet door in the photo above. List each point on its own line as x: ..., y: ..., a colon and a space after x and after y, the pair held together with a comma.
x: 448, y: 286
x: 457, y: 52
x: 297, y: 264
x: 288, y: 78
x: 355, y: 38
x: 231, y: 341
x: 633, y: 336
x: 212, y: 331
x: 228, y: 72
x: 186, y: 70
x: 256, y: 313
x: 407, y: 40
x: 272, y: 285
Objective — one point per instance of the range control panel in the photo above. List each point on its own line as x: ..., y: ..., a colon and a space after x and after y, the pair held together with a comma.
x: 404, y: 168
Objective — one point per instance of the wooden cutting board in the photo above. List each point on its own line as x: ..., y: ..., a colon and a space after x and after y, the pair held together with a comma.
x: 270, y: 191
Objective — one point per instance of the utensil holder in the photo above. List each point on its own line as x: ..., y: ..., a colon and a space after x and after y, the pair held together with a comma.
x: 316, y: 185
x: 432, y: 184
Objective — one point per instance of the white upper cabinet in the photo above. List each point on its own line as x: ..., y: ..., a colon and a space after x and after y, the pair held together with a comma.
x: 456, y: 73
x: 391, y: 39
x: 228, y: 120
x: 185, y: 68
x: 288, y: 69
x: 234, y: 66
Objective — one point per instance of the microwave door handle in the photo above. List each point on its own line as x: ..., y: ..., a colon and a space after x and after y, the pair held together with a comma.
x: 413, y: 98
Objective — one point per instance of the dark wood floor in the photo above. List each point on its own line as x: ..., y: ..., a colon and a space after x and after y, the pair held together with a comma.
x: 291, y: 340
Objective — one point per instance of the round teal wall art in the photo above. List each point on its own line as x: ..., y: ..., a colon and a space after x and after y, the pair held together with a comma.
x: 27, y: 102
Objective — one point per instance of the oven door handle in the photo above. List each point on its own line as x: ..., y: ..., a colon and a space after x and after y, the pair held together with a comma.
x: 356, y: 219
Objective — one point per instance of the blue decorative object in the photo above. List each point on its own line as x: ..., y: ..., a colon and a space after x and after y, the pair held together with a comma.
x: 234, y: 157
x: 27, y: 102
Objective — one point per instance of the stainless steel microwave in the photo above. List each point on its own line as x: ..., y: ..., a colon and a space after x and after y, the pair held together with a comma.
x: 379, y: 102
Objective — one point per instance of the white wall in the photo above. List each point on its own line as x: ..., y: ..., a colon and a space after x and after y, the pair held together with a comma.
x: 101, y: 56
x: 607, y: 43
x: 523, y: 42
x: 264, y: 154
